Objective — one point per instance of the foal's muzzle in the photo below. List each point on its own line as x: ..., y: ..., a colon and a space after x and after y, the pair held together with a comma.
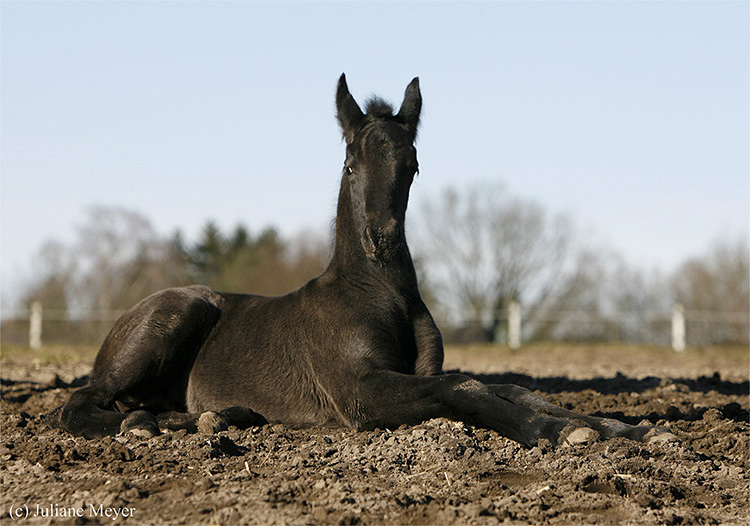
x: 380, y: 244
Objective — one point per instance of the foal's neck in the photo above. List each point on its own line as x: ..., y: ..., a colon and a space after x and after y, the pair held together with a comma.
x: 350, y: 262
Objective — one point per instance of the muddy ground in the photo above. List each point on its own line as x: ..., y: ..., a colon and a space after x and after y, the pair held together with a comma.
x: 439, y: 472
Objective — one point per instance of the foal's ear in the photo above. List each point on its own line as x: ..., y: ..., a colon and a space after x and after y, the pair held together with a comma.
x: 412, y: 105
x: 347, y: 110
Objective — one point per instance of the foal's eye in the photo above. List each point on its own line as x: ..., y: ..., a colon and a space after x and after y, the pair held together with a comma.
x: 349, y: 170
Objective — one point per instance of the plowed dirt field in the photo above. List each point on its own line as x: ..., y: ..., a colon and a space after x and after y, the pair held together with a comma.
x: 439, y: 472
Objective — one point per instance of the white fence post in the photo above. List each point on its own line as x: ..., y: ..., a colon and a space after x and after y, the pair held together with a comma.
x: 514, y: 325
x: 35, y: 325
x: 678, y: 328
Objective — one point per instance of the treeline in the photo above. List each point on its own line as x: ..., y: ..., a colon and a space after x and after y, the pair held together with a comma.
x: 117, y: 259
x: 477, y: 251
x: 482, y: 249
x: 240, y: 262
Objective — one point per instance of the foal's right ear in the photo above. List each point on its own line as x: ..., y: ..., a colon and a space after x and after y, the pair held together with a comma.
x: 347, y: 110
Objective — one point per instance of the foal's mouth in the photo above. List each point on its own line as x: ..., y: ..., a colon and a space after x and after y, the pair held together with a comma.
x: 381, y: 244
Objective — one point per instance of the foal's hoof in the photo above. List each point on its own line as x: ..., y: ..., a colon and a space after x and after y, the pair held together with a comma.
x: 580, y: 436
x: 52, y: 419
x: 141, y: 424
x: 242, y: 417
x: 660, y: 435
x: 210, y: 423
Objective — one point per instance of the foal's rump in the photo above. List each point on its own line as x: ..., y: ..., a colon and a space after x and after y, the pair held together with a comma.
x: 148, y: 354
x: 145, y: 360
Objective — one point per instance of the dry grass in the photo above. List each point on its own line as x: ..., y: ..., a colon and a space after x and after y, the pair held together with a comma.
x: 575, y: 361
x: 579, y: 361
x: 48, y: 354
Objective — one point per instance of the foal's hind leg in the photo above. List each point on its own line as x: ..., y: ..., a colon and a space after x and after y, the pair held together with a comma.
x: 85, y: 415
x: 144, y: 362
x: 606, y: 427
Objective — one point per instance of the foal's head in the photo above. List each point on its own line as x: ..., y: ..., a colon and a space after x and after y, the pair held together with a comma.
x: 381, y: 162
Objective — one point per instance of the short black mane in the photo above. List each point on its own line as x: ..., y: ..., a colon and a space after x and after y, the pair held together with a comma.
x: 377, y: 107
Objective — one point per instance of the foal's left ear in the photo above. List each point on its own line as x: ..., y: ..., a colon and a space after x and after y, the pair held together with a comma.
x: 412, y: 105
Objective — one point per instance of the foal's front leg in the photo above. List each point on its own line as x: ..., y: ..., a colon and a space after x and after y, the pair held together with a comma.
x: 429, y: 341
x: 606, y: 427
x: 389, y: 399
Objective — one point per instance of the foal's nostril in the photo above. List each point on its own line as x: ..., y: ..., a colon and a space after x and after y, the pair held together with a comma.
x: 382, y: 237
x: 380, y: 243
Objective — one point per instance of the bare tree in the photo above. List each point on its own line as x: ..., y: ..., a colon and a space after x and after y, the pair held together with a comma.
x: 715, y: 290
x: 115, y: 261
x: 115, y: 249
x: 54, y: 270
x: 483, y: 249
x: 573, y: 311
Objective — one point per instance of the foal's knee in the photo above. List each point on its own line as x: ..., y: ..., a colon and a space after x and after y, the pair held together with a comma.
x: 510, y: 392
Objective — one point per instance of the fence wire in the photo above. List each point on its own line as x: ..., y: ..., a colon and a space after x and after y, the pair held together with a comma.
x: 701, y: 328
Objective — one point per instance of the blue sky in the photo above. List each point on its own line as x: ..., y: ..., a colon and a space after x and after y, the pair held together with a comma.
x: 632, y: 117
